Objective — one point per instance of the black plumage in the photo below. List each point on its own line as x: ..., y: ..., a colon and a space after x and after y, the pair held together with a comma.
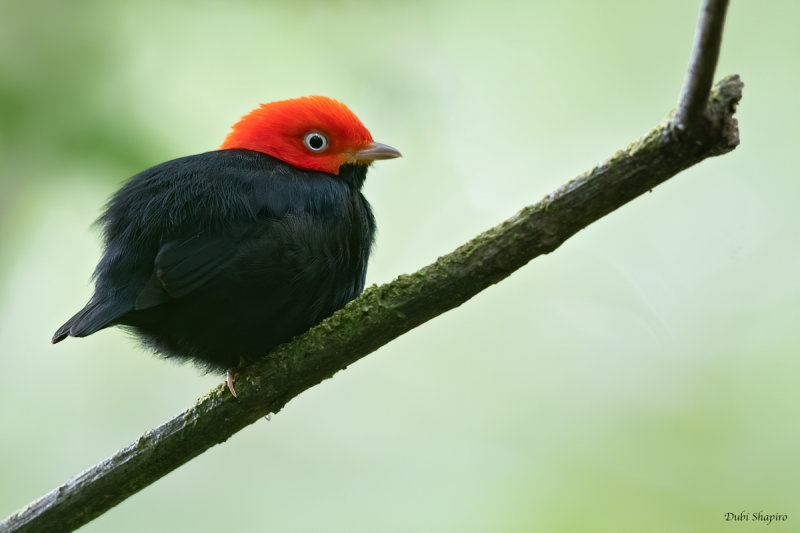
x: 219, y: 257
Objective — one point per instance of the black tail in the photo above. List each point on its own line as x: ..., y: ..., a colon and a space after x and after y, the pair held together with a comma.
x: 62, y: 332
x: 94, y: 317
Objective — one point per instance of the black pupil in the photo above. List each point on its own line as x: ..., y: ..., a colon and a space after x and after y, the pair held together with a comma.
x: 315, y: 142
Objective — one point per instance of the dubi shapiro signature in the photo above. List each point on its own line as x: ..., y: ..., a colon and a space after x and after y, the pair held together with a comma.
x: 759, y: 516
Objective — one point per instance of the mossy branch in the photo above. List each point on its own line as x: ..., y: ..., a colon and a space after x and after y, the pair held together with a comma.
x: 383, y: 313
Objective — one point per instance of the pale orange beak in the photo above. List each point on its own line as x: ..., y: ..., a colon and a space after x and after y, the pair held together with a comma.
x: 375, y: 151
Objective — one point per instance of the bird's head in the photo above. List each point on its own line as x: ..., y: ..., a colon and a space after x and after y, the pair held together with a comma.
x: 312, y: 133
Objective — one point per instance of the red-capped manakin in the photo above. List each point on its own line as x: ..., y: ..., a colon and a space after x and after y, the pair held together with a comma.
x: 218, y: 257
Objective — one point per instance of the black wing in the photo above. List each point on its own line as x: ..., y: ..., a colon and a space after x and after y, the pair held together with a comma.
x: 184, y: 266
x: 151, y: 253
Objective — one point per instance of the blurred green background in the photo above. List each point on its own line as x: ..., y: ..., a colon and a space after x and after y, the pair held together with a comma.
x: 644, y: 377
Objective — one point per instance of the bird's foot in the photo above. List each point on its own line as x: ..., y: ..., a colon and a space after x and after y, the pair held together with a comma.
x: 232, y: 375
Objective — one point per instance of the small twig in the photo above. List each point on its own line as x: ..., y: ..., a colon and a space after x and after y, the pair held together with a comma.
x: 702, y: 64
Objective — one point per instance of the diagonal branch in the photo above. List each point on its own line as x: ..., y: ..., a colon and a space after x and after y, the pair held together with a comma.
x: 383, y: 313
x: 703, y: 62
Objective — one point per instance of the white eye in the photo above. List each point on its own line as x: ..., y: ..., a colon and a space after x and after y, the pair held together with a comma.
x: 315, y: 141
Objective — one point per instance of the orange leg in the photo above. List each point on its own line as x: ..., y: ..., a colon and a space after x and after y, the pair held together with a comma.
x: 232, y: 374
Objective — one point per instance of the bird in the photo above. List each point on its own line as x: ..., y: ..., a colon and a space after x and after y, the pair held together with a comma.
x: 216, y: 258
